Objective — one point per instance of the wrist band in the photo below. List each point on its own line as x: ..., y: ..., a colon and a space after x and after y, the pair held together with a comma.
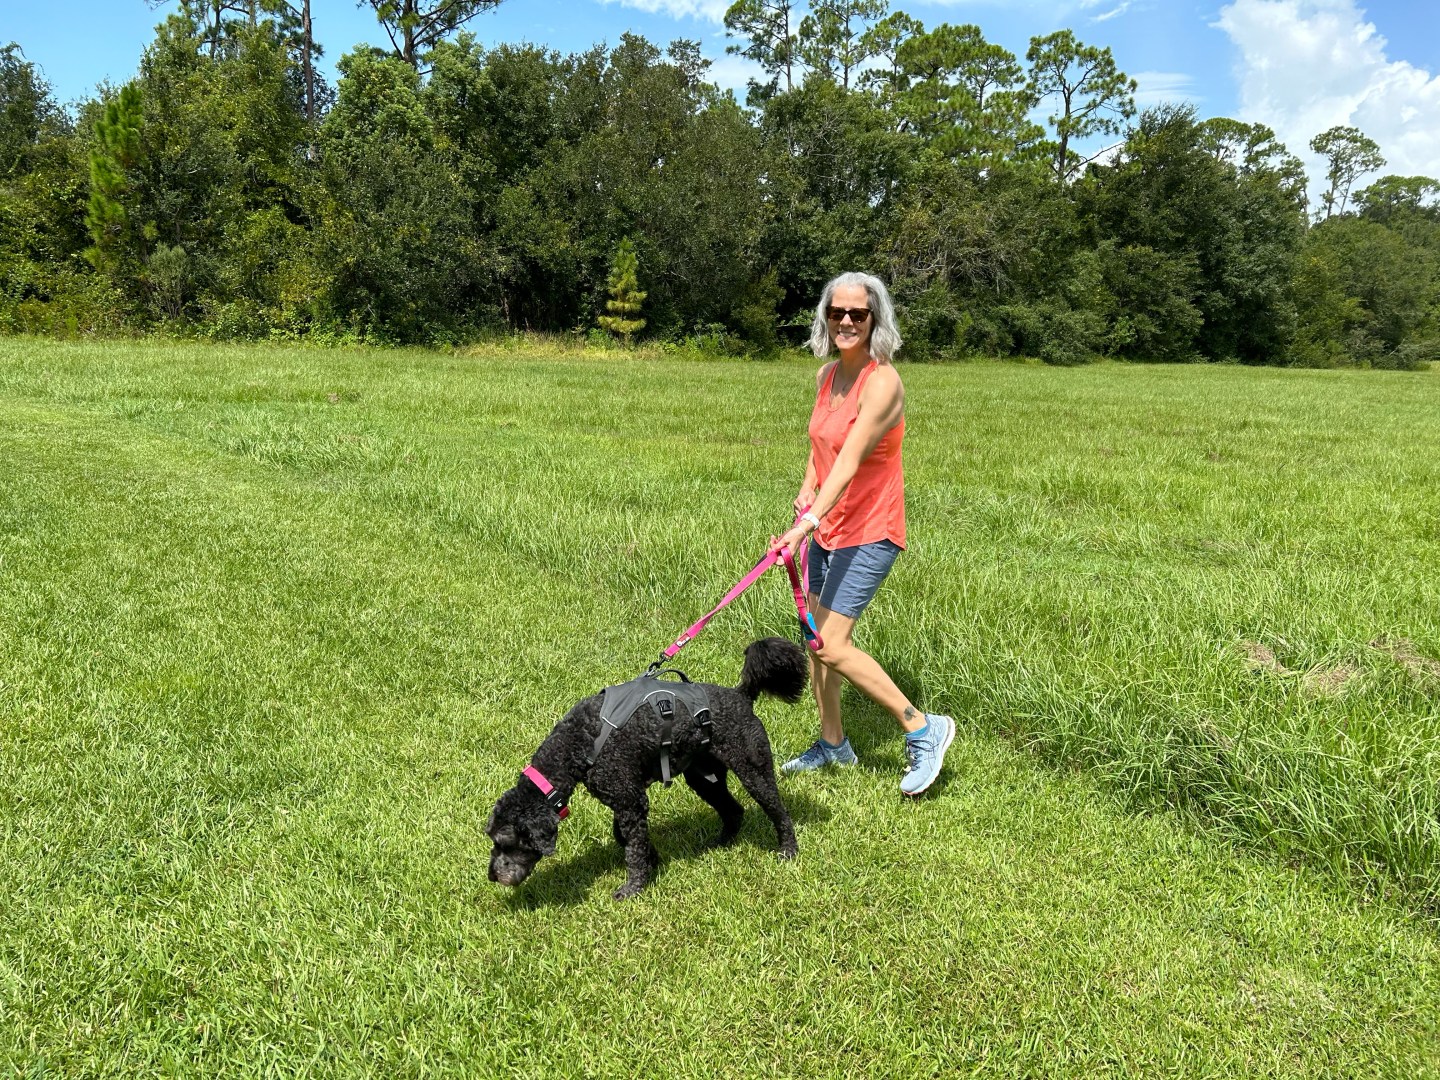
x: 808, y: 516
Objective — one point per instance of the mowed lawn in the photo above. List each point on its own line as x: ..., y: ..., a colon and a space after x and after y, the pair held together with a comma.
x: 278, y: 625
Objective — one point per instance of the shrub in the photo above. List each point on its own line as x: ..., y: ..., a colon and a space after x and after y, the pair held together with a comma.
x: 934, y: 325
x: 1052, y: 332
x: 756, y: 315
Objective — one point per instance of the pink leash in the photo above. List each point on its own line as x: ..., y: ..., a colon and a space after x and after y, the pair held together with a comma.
x: 807, y: 621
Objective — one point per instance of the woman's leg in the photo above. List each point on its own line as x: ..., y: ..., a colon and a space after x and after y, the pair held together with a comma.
x: 826, y: 684
x: 858, y: 573
x: 926, y: 737
x: 838, y: 659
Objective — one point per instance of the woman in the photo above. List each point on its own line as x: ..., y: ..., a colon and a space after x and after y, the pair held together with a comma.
x: 852, y: 507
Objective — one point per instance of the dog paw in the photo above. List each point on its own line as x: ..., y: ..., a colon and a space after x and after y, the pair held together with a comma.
x: 626, y: 891
x: 789, y: 851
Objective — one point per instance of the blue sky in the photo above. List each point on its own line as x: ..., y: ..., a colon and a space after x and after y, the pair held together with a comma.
x: 1299, y: 65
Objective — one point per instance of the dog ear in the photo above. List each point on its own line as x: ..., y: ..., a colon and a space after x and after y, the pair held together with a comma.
x: 542, y: 840
x: 490, y: 825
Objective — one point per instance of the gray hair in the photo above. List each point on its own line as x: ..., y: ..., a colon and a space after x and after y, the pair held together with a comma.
x: 884, y: 337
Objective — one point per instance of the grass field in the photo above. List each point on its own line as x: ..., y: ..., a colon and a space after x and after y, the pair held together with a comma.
x: 277, y: 626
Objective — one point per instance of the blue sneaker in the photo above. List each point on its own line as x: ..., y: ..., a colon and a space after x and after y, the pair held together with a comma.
x: 821, y: 754
x: 925, y: 754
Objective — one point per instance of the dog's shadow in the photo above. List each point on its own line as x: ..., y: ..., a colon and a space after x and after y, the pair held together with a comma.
x: 561, y: 881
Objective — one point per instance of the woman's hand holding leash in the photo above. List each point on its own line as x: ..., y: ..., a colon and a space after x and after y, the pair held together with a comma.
x: 789, y: 549
x: 792, y: 539
x: 805, y: 524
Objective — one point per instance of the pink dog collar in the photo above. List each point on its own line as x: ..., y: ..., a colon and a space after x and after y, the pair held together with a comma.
x: 553, y: 797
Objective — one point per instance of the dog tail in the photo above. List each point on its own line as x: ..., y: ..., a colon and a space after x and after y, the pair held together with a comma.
x: 775, y: 666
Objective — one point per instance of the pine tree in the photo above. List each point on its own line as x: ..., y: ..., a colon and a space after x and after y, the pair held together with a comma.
x: 114, y: 155
x: 625, y: 295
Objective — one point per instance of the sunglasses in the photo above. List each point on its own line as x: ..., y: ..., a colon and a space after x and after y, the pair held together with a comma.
x: 858, y: 315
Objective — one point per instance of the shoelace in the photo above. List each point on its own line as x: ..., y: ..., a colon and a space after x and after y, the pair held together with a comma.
x: 912, y: 752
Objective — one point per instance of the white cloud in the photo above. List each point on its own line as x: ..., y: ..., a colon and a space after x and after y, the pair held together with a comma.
x: 1159, y: 87
x: 1119, y: 9
x: 714, y: 10
x: 1307, y: 65
x: 735, y: 73
x: 708, y: 10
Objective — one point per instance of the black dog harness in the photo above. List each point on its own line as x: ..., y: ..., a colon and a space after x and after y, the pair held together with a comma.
x: 619, y: 703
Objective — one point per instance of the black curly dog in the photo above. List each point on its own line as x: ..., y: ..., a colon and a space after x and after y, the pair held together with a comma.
x: 524, y: 824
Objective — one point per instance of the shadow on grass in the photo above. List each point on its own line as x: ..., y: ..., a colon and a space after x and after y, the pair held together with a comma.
x: 562, y: 881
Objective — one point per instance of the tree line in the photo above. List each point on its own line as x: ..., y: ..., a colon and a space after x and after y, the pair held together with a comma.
x: 439, y: 190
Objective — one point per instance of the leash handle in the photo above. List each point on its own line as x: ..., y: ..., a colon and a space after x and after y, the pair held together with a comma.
x: 808, y: 629
x: 807, y: 621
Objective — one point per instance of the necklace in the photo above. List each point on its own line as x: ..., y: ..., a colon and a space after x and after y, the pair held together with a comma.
x: 837, y: 392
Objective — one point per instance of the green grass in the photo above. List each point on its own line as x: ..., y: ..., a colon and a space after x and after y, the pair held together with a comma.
x: 276, y: 626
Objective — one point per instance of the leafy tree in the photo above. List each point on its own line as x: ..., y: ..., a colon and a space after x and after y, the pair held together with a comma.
x: 395, y: 235
x: 1147, y: 299
x: 222, y: 165
x: 883, y: 41
x: 756, y: 312
x: 209, y: 17
x: 1350, y: 154
x: 834, y: 166
x: 1253, y: 150
x: 833, y: 40
x: 966, y: 97
x: 641, y: 147
x: 217, y: 23
x: 416, y: 26
x: 25, y: 106
x: 498, y: 186
x: 217, y: 20
x: 1367, y: 296
x: 171, y: 279
x: 960, y: 253
x: 45, y: 284
x: 626, y: 296
x: 1094, y: 95
x: 768, y: 28
x: 498, y: 111
x: 1182, y: 218
x: 1393, y: 197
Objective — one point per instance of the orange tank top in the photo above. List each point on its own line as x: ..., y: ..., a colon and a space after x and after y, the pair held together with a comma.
x: 873, y: 506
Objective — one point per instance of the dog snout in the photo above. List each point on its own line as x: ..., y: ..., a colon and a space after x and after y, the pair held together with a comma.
x: 505, y: 872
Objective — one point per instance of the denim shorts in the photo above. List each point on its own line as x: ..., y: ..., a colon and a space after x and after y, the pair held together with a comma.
x: 847, y: 579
